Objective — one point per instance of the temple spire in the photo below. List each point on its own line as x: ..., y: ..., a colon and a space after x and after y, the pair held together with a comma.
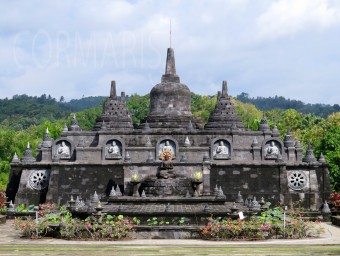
x: 224, y: 89
x: 170, y: 68
x: 113, y: 94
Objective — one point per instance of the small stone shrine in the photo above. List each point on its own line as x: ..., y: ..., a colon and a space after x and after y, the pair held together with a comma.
x: 169, y: 160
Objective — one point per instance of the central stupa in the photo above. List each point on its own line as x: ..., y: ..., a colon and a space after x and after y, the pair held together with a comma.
x: 170, y: 100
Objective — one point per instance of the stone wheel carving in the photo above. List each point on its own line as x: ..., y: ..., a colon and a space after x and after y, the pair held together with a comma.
x: 167, y: 154
x: 38, y: 179
x: 297, y: 180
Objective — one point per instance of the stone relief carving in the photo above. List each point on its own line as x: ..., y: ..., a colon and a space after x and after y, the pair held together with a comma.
x: 272, y: 151
x: 113, y: 150
x: 38, y: 179
x: 63, y: 150
x: 167, y: 150
x: 297, y: 180
x: 221, y: 150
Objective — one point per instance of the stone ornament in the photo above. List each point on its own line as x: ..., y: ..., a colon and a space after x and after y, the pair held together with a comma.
x: 63, y: 150
x: 38, y: 179
x: 167, y: 150
x: 221, y: 150
x: 113, y: 150
x: 297, y: 180
x: 272, y: 150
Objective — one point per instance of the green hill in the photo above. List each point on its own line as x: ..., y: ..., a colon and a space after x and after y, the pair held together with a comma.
x: 279, y: 102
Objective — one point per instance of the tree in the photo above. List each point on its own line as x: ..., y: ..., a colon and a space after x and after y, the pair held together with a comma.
x: 249, y: 113
x: 139, y: 107
x: 202, y: 106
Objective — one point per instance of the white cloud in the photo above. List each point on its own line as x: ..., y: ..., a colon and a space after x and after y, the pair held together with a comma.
x: 288, y: 17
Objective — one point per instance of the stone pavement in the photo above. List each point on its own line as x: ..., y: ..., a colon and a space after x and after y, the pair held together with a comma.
x: 8, y: 235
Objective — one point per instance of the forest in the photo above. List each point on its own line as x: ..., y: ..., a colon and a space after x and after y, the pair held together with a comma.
x: 24, y: 119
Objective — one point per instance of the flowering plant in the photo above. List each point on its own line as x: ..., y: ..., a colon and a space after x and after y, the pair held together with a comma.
x: 335, y: 198
x: 2, y: 199
x: 134, y: 177
x: 197, y: 175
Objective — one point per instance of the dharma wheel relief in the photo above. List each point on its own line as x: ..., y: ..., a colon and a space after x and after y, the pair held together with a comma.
x: 297, y: 180
x: 38, y: 179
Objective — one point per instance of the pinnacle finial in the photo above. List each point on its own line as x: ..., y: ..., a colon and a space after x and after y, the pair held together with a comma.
x: 28, y: 145
x: 170, y: 68
x: 47, y: 131
x: 224, y: 88
x: 113, y: 94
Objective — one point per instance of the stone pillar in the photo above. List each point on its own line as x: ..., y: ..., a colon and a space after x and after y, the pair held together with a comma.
x: 46, y: 154
x: 291, y: 154
x: 298, y: 154
x: 206, y: 178
x: 284, y: 190
x: 256, y: 153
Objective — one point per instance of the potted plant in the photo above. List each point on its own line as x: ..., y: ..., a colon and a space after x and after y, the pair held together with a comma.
x: 197, y: 176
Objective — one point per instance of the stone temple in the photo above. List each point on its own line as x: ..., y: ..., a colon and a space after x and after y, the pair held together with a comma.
x: 170, y: 163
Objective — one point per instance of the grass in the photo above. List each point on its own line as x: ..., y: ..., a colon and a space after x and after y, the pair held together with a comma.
x: 120, y: 249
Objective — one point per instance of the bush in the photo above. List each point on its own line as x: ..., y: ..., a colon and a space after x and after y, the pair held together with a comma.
x: 2, y: 199
x: 335, y: 199
x: 61, y: 224
x: 268, y: 225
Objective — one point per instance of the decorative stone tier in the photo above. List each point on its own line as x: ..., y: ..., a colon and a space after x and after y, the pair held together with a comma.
x: 170, y: 101
x: 224, y: 116
x: 115, y: 113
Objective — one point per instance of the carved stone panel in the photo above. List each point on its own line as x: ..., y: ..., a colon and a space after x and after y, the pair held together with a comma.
x: 221, y: 149
x: 63, y: 150
x: 297, y: 180
x: 38, y: 179
x: 113, y: 149
x: 272, y: 149
x: 167, y: 149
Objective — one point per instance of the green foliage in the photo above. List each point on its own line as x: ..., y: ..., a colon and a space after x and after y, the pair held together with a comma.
x: 23, y: 111
x: 270, y: 224
x: 87, y: 118
x: 330, y: 146
x: 249, y: 114
x: 59, y: 223
x: 202, y: 106
x: 85, y: 103
x: 277, y: 102
x: 139, y: 107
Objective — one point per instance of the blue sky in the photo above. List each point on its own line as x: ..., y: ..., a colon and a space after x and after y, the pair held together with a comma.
x: 288, y: 48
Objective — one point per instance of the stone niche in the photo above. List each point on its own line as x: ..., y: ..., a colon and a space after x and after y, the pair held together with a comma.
x: 114, y: 149
x: 221, y: 149
x: 63, y: 149
x: 167, y: 145
x: 271, y: 149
